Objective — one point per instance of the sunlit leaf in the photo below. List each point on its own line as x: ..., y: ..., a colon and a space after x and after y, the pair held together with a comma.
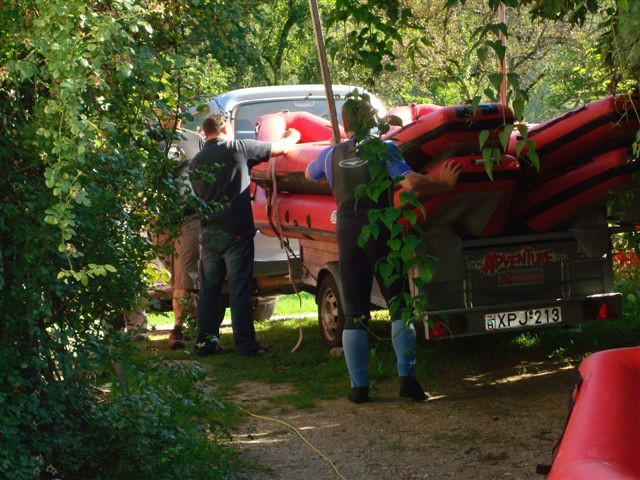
x: 482, y: 138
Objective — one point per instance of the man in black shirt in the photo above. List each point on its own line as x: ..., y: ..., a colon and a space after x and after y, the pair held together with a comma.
x: 220, y: 177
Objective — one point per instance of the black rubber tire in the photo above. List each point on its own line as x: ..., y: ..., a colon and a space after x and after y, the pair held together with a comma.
x: 330, y: 313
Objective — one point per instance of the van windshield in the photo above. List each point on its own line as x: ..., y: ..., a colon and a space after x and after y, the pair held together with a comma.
x: 247, y: 114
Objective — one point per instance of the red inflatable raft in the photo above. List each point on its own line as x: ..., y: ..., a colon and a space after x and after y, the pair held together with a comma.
x: 435, y: 133
x: 271, y: 127
x: 315, y: 133
x: 554, y: 202
x: 296, y: 215
x: 602, y: 437
x: 312, y: 128
x: 575, y: 179
x: 289, y: 171
x: 572, y: 138
x: 449, y: 131
x: 409, y: 113
x: 476, y: 207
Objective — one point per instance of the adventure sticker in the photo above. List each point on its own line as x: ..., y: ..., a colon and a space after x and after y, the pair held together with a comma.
x: 493, y: 262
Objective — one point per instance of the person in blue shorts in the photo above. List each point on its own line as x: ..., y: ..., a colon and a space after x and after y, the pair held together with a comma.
x: 345, y: 171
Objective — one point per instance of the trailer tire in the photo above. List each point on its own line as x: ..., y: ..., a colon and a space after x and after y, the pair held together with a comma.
x: 330, y: 313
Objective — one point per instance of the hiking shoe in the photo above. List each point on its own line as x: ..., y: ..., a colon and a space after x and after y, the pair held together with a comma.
x: 359, y: 394
x: 176, y: 338
x: 411, y: 388
x: 208, y: 348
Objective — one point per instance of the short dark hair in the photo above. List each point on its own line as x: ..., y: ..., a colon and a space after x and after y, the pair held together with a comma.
x: 214, y: 123
x: 357, y: 113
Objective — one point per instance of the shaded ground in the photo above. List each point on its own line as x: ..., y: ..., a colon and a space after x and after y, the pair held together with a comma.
x: 499, y: 425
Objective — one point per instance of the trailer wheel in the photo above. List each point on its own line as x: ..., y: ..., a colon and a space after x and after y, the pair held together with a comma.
x: 330, y: 314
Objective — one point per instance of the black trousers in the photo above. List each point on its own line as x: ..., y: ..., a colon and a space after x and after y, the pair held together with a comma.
x: 357, y: 265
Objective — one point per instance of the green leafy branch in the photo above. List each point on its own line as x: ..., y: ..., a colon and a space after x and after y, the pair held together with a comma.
x: 487, y: 47
x: 406, y: 257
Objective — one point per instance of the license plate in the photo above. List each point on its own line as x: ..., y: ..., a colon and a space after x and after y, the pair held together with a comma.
x: 523, y: 318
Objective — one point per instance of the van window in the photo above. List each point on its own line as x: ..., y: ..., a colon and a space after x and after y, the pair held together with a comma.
x: 245, y: 115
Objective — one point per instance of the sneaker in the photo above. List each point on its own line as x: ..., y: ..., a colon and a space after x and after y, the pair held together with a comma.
x: 359, y: 394
x: 411, y: 388
x: 176, y: 338
x: 208, y: 348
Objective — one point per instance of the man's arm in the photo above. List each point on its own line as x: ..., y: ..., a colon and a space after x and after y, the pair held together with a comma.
x: 290, y: 138
x: 307, y: 175
x: 424, y: 185
x: 316, y: 170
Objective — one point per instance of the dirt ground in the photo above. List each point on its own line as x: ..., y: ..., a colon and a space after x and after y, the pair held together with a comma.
x: 499, y: 425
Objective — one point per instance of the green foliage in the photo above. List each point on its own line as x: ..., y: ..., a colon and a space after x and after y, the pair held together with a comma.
x: 618, y: 39
x: 82, y: 188
x: 406, y: 257
x: 373, y: 27
x: 449, y: 55
x: 131, y: 416
x: 473, y: 55
x: 282, y: 43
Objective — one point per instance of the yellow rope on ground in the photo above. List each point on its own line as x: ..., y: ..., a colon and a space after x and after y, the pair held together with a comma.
x: 335, y: 469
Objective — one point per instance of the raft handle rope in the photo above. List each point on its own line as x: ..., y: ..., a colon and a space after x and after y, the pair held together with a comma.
x: 272, y: 206
x: 272, y: 210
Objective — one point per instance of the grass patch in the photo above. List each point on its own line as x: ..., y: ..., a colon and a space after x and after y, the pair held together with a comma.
x: 157, y: 319
x: 294, y: 305
x: 316, y: 375
x: 285, y: 305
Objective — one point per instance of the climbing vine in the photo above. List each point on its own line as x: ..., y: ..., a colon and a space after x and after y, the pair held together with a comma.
x: 406, y: 250
x: 373, y: 48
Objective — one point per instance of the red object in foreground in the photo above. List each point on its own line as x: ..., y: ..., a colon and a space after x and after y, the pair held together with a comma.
x: 602, y: 437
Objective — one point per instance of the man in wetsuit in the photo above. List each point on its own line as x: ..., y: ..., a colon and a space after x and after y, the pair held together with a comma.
x: 345, y: 171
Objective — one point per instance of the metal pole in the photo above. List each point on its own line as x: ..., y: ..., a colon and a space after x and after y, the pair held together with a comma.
x: 324, y: 69
x: 503, y: 62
